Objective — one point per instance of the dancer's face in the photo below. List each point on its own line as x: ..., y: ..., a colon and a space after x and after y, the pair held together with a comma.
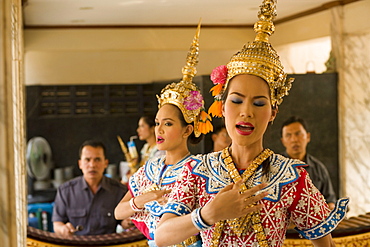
x: 170, y: 131
x: 247, y: 109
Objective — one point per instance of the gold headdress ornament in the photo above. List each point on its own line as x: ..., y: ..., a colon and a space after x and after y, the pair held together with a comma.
x: 186, y: 95
x: 257, y: 58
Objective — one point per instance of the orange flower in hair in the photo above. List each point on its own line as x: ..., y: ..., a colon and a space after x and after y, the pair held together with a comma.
x: 204, y: 122
x: 218, y: 77
x: 216, y: 90
x: 216, y: 109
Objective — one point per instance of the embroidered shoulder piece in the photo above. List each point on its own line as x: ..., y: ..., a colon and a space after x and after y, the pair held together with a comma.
x: 282, y: 172
x: 155, y: 172
x: 153, y: 167
x: 329, y: 224
x: 213, y: 169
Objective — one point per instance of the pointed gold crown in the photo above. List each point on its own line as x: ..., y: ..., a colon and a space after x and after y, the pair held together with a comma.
x: 186, y: 95
x: 260, y: 59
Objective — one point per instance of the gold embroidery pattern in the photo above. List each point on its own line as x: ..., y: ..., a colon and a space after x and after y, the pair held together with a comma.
x: 152, y: 187
x: 238, y: 225
x: 187, y: 242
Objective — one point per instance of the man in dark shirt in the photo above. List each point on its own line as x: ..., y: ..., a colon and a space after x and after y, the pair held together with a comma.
x: 85, y: 205
x: 294, y: 137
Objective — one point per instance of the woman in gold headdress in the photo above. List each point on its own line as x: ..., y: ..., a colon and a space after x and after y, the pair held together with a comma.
x: 180, y: 119
x: 245, y: 195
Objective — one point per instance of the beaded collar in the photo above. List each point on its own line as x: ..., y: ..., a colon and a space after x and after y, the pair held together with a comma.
x: 238, y: 225
x: 161, y: 174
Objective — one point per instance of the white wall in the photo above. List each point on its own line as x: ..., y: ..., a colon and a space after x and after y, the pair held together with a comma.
x: 78, y: 56
x: 305, y: 56
x: 123, y: 55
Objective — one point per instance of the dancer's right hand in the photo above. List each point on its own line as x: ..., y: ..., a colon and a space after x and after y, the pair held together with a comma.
x: 229, y: 203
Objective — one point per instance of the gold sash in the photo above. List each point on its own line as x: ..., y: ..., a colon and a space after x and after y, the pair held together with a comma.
x: 238, y: 225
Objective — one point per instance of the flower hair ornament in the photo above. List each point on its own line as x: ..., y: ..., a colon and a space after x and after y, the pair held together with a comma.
x: 186, y: 95
x: 257, y: 58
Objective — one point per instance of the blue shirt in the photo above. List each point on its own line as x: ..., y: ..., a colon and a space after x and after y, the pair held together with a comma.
x: 76, y: 203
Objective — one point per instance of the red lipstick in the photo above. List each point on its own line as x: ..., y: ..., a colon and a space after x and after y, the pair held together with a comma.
x: 244, y: 128
x: 160, y: 139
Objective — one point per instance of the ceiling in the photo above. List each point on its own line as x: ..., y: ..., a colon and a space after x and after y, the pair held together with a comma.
x: 160, y: 13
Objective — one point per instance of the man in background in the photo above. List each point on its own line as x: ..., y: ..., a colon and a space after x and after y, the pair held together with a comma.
x: 85, y: 205
x: 220, y: 138
x: 295, y: 138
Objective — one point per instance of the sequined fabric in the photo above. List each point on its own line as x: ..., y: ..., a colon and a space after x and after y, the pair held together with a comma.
x: 156, y: 173
x: 292, y: 196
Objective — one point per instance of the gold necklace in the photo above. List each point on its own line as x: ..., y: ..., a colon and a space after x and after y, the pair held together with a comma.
x: 239, y: 224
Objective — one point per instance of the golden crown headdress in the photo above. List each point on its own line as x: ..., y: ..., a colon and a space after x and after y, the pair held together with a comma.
x: 257, y: 58
x: 186, y: 95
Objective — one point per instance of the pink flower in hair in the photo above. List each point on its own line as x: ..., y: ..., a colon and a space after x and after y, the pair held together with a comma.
x: 219, y: 75
x: 193, y: 101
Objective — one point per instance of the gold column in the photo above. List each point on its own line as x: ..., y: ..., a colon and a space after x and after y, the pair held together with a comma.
x: 12, y: 128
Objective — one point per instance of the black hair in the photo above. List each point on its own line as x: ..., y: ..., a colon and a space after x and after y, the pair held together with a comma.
x: 92, y: 143
x: 192, y: 139
x: 293, y: 119
x: 149, y: 120
x: 218, y: 129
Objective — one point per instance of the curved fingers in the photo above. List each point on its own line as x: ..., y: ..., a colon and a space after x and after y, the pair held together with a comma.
x: 254, y: 190
x: 69, y: 229
x: 229, y: 187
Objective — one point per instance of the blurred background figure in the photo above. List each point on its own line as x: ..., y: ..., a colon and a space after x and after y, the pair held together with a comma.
x: 220, y: 138
x: 295, y: 138
x: 145, y: 131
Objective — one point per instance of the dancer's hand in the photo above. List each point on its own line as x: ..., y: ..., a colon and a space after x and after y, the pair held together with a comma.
x: 229, y: 203
x: 154, y: 195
